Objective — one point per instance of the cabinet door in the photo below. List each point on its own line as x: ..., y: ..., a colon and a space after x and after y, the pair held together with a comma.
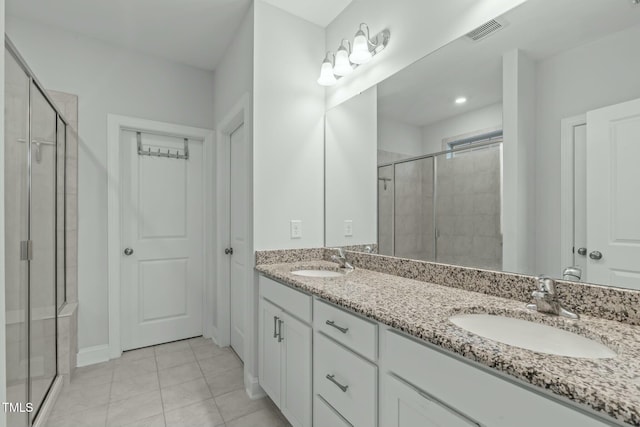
x: 269, y: 349
x: 325, y: 416
x: 406, y: 406
x: 295, y: 400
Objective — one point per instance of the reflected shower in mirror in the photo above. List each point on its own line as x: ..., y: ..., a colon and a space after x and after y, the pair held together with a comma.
x: 511, y: 150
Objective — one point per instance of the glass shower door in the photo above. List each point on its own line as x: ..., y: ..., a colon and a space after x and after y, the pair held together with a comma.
x: 413, y: 216
x: 468, y: 207
x: 16, y: 133
x: 42, y: 267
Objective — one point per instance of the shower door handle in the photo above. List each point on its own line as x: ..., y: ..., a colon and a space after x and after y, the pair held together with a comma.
x: 128, y: 251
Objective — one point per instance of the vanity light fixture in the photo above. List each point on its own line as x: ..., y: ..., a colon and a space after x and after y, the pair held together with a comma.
x: 343, y: 66
x: 347, y: 59
x: 461, y: 100
x: 327, y: 78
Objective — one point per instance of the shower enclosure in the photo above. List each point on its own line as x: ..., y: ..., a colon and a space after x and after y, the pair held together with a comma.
x: 444, y: 207
x: 34, y: 181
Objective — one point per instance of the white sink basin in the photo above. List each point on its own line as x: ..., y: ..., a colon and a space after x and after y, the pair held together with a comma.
x: 532, y: 336
x: 317, y: 273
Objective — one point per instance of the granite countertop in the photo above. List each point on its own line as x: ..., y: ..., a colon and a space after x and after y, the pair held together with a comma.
x: 422, y: 309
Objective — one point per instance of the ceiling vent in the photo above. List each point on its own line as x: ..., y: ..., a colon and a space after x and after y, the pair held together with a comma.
x: 485, y: 30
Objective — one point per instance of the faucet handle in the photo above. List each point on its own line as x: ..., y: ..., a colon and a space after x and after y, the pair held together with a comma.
x: 340, y: 251
x: 546, y: 284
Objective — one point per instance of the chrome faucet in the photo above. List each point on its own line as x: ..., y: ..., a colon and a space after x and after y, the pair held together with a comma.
x: 341, y: 259
x: 546, y: 299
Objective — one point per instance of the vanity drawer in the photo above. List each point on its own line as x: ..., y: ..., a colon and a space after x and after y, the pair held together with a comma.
x: 354, y: 332
x: 470, y: 392
x: 325, y: 416
x: 294, y: 302
x: 346, y: 381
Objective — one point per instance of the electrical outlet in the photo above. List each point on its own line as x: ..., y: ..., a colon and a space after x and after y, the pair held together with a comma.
x: 296, y: 229
x: 348, y: 228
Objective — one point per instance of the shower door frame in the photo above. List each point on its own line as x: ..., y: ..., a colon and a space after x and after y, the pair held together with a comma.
x: 34, y: 417
x: 461, y: 149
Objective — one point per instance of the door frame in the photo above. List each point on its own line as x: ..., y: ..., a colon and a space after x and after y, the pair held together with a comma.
x: 237, y: 115
x: 116, y: 123
x: 567, y: 126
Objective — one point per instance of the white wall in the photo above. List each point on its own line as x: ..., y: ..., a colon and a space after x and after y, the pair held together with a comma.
x: 233, y: 76
x: 397, y: 137
x: 597, y: 74
x: 3, y: 337
x: 107, y: 79
x: 288, y: 129
x: 351, y: 184
x: 489, y: 117
x: 519, y: 133
x: 418, y: 27
x: 232, y: 80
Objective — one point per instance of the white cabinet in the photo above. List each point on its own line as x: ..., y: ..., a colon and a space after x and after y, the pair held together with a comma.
x: 346, y: 381
x: 352, y: 331
x: 270, y: 349
x: 348, y: 371
x: 475, y: 394
x: 284, y: 356
x: 407, y: 406
x: 295, y: 397
x: 325, y: 416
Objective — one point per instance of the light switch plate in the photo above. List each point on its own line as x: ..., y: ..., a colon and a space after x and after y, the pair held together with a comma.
x: 296, y: 229
x: 348, y: 228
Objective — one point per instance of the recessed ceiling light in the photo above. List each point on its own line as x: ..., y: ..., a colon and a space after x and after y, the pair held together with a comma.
x: 461, y: 100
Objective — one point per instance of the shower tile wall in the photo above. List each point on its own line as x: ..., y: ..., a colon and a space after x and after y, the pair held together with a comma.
x: 414, y: 228
x: 385, y: 210
x: 468, y: 209
x: 67, y: 318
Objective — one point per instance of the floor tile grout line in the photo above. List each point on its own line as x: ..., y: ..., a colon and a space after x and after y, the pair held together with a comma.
x: 106, y: 415
x: 209, y: 388
x: 164, y: 414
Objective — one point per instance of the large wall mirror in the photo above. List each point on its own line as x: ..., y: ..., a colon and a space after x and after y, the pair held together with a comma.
x: 514, y: 148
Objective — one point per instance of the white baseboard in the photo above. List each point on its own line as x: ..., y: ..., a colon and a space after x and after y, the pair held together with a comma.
x: 252, y: 387
x: 213, y: 334
x: 93, y: 355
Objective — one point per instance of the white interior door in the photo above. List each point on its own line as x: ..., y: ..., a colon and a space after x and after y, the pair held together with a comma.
x: 613, y: 185
x: 238, y: 192
x: 580, y: 198
x: 162, y: 223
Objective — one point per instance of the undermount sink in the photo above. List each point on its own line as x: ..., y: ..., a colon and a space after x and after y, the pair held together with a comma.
x: 532, y: 336
x: 317, y: 273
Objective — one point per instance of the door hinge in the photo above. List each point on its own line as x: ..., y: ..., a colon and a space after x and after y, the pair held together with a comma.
x: 26, y: 250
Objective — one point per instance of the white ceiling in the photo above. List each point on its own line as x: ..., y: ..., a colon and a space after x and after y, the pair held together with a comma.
x: 424, y: 92
x: 320, y: 12
x: 192, y: 32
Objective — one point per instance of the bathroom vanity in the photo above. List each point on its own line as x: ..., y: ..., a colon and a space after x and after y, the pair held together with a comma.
x: 374, y: 349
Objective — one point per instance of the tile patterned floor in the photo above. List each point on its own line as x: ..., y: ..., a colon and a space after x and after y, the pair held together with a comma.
x: 190, y: 383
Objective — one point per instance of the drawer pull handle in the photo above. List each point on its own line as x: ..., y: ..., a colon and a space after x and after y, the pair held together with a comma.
x: 275, y: 326
x: 280, y: 336
x: 341, y: 329
x: 332, y: 378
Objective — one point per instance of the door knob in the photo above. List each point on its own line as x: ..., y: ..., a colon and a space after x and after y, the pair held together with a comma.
x: 228, y: 251
x: 128, y: 251
x: 582, y: 251
x: 595, y: 255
